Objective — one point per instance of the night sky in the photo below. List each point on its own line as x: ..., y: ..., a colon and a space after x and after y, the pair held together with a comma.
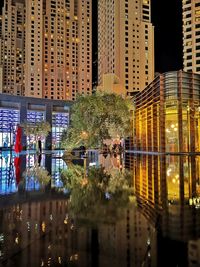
x: 167, y: 19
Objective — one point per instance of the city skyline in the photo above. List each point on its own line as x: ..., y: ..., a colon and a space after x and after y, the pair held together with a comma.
x: 174, y: 61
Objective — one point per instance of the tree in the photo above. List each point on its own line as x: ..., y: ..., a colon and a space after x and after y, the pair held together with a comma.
x: 96, y: 118
x: 38, y: 130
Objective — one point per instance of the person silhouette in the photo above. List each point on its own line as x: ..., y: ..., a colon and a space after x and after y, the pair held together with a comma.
x: 40, y: 145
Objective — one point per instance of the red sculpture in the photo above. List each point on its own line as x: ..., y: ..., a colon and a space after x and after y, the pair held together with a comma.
x: 18, y: 145
x: 17, y: 162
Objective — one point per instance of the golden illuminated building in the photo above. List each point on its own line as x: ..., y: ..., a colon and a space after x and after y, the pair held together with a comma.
x: 191, y: 35
x: 126, y: 43
x: 111, y: 84
x: 167, y: 114
x: 166, y: 136
x: 51, y: 56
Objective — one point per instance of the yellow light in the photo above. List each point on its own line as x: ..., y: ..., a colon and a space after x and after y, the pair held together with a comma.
x: 172, y: 126
x: 59, y: 260
x: 43, y: 226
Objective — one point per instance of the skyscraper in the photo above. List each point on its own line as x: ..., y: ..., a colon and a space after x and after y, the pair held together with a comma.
x: 12, y: 46
x: 126, y: 43
x: 191, y: 35
x: 55, y: 48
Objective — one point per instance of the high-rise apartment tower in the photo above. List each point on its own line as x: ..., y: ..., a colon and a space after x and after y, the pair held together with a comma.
x: 12, y: 47
x: 191, y: 35
x: 53, y: 48
x: 126, y: 43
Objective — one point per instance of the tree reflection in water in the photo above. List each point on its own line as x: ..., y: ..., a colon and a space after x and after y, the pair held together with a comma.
x: 97, y: 195
x: 36, y: 173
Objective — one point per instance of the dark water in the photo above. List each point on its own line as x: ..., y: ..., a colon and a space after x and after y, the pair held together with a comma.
x: 37, y: 228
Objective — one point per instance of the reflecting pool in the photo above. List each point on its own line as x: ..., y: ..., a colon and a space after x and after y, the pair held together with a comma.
x: 47, y: 220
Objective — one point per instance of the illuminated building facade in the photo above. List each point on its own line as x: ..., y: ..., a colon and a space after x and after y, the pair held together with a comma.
x: 47, y: 48
x: 167, y: 114
x: 126, y: 43
x: 12, y: 46
x: 191, y: 35
x: 15, y: 110
x: 166, y: 135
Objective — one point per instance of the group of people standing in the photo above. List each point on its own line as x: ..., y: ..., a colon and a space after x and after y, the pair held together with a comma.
x: 112, y: 149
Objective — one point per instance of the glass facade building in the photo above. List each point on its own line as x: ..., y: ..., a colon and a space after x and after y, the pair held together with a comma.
x: 17, y: 109
x: 165, y: 148
x: 166, y: 115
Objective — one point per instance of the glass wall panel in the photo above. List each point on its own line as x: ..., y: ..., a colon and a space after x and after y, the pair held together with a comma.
x: 60, y: 122
x: 171, y: 128
x: 9, y: 118
x: 33, y: 117
x: 172, y: 176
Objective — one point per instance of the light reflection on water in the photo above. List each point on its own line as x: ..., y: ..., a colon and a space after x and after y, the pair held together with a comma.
x: 37, y: 229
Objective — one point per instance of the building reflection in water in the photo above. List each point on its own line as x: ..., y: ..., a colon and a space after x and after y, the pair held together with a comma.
x: 7, y: 174
x: 36, y: 229
x: 161, y: 229
x: 168, y: 191
x: 40, y: 233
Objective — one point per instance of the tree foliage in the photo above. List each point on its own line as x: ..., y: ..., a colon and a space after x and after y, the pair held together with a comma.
x: 96, y: 118
x: 38, y: 129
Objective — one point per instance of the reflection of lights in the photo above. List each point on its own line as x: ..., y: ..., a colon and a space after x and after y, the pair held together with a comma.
x: 172, y: 126
x: 73, y: 257
x: 17, y: 240
x: 1, y: 237
x: 51, y: 217
x: 167, y: 130
x: 42, y: 263
x: 28, y: 226
x: 173, y: 180
x: 72, y: 227
x: 195, y: 201
x: 175, y: 129
x: 59, y: 260
x: 65, y: 221
x: 148, y: 241
x: 43, y: 226
x: 177, y: 176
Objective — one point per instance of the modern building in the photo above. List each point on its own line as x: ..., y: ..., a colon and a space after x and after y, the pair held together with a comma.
x: 126, y: 43
x: 165, y: 148
x: 47, y: 48
x: 167, y: 114
x: 17, y: 109
x: 111, y: 84
x: 12, y: 47
x: 191, y: 35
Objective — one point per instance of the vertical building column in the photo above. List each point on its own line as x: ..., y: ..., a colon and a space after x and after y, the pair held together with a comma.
x: 49, y: 109
x: 162, y: 116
